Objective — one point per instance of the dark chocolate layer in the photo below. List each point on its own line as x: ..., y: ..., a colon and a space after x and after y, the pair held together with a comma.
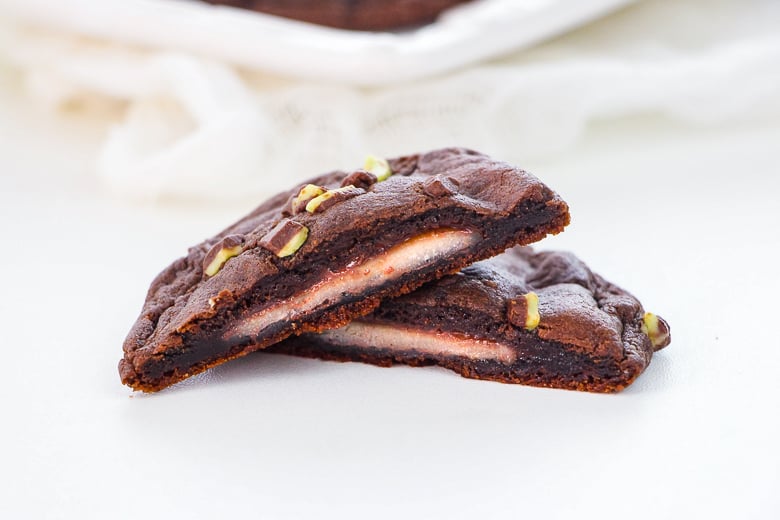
x: 590, y: 334
x: 199, y: 310
x: 366, y: 15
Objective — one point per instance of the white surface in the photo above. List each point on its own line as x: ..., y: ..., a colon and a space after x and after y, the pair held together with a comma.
x: 179, y: 117
x: 462, y: 36
x: 685, y: 217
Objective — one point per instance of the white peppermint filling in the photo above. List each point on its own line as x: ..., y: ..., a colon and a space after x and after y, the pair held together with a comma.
x: 373, y: 336
x: 414, y: 254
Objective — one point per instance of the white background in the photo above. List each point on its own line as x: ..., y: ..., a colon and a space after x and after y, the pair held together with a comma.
x: 684, y: 216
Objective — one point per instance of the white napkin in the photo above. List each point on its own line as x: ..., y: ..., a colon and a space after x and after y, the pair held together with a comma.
x: 196, y: 127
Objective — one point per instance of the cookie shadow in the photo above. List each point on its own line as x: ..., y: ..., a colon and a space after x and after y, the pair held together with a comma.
x: 266, y: 366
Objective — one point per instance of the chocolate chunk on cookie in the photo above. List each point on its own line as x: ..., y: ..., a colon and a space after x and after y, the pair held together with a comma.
x: 322, y: 254
x: 285, y: 238
x: 541, y: 319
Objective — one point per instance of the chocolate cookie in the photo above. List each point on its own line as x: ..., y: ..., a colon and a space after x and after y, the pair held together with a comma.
x: 541, y: 319
x: 366, y: 15
x: 325, y: 253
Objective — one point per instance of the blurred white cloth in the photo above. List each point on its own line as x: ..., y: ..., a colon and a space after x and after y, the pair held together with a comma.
x: 195, y: 127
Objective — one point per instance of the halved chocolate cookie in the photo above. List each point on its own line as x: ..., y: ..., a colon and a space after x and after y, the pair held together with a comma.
x: 326, y: 252
x: 541, y: 319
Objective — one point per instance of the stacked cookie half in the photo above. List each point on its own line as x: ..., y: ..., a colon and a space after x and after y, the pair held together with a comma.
x: 400, y: 261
